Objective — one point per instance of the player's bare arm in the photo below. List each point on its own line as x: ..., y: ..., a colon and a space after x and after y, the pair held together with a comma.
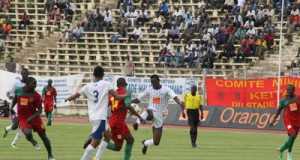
x: 276, y: 116
x: 201, y: 111
x: 73, y: 97
x: 13, y: 104
x: 181, y: 104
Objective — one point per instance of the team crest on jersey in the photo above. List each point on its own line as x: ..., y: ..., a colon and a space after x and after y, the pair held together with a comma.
x: 24, y: 101
x: 293, y: 107
x: 119, y: 136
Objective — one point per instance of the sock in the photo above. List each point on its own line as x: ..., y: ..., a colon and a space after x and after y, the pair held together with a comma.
x: 47, y: 144
x: 289, y: 156
x: 88, y: 153
x: 127, y: 151
x: 49, y: 118
x: 111, y: 146
x: 148, y: 142
x: 193, y: 135
x: 101, y: 149
x: 8, y: 128
x: 291, y: 145
x: 144, y: 115
x: 287, y: 144
x: 29, y: 137
x: 18, y: 135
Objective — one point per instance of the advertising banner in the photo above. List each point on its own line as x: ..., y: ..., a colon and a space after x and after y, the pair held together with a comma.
x: 251, y: 93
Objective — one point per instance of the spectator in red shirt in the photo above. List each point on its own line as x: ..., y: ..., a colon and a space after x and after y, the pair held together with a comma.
x: 270, y: 40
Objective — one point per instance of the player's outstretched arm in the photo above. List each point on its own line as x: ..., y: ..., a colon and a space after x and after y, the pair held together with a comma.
x: 181, y: 104
x: 73, y: 97
x: 277, y: 114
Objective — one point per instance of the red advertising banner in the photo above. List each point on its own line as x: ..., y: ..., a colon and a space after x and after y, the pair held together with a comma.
x: 251, y: 93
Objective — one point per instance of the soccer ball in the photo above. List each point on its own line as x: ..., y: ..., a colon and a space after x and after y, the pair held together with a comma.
x: 137, y: 108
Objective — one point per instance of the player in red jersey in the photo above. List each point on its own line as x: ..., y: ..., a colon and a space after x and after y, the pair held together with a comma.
x: 119, y: 128
x: 291, y: 106
x: 49, y: 99
x: 29, y: 107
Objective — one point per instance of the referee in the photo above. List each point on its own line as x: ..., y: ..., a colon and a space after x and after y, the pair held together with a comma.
x: 192, y: 101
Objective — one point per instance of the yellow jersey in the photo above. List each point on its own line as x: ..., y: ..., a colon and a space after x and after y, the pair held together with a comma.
x: 192, y: 102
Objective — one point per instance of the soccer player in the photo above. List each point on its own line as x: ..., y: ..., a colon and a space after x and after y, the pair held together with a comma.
x: 97, y: 93
x: 119, y: 128
x: 49, y: 99
x: 291, y: 106
x: 29, y: 107
x: 19, y: 83
x: 192, y: 102
x: 158, y: 101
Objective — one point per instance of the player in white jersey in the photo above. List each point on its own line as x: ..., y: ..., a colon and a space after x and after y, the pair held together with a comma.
x: 97, y: 93
x: 158, y: 102
x: 19, y: 83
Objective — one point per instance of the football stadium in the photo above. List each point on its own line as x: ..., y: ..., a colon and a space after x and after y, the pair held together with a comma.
x: 149, y: 79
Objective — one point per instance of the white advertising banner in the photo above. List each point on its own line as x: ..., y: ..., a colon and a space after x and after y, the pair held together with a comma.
x: 64, y: 85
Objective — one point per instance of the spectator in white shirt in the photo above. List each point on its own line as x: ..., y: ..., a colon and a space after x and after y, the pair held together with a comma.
x: 295, y: 16
x: 132, y: 16
x: 251, y: 31
x: 156, y: 23
x: 136, y: 34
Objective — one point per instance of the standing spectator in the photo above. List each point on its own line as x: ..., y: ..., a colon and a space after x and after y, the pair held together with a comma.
x: 108, y: 22
x: 69, y: 11
x: 131, y: 16
x: 11, y: 65
x: 54, y: 16
x: 295, y: 16
x: 6, y: 27
x: 129, y: 67
x: 24, y: 21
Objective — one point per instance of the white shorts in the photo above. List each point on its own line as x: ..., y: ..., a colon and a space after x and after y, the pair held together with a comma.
x: 158, y: 119
x: 98, y: 128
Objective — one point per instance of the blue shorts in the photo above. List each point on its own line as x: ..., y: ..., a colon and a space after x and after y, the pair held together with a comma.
x: 99, y: 127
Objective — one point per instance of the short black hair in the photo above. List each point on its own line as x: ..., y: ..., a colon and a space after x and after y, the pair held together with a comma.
x: 155, y: 76
x: 121, y: 81
x: 29, y: 80
x: 98, y: 72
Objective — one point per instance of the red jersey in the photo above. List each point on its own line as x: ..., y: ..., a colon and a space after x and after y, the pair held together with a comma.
x: 291, y: 111
x: 27, y: 104
x: 49, y: 94
x: 118, y: 108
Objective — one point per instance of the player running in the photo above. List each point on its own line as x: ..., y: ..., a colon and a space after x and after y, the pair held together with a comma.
x: 29, y: 107
x: 97, y: 93
x: 193, y: 103
x: 158, y: 102
x: 119, y: 128
x: 291, y: 106
x: 49, y: 99
x: 19, y: 83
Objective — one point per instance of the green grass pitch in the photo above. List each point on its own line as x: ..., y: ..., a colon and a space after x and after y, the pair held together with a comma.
x: 67, y: 140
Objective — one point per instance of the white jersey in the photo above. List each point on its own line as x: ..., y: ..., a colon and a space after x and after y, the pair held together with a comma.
x: 158, y: 98
x: 11, y: 93
x: 97, y: 94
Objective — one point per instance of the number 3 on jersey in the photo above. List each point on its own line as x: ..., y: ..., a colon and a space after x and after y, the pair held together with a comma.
x: 96, y: 94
